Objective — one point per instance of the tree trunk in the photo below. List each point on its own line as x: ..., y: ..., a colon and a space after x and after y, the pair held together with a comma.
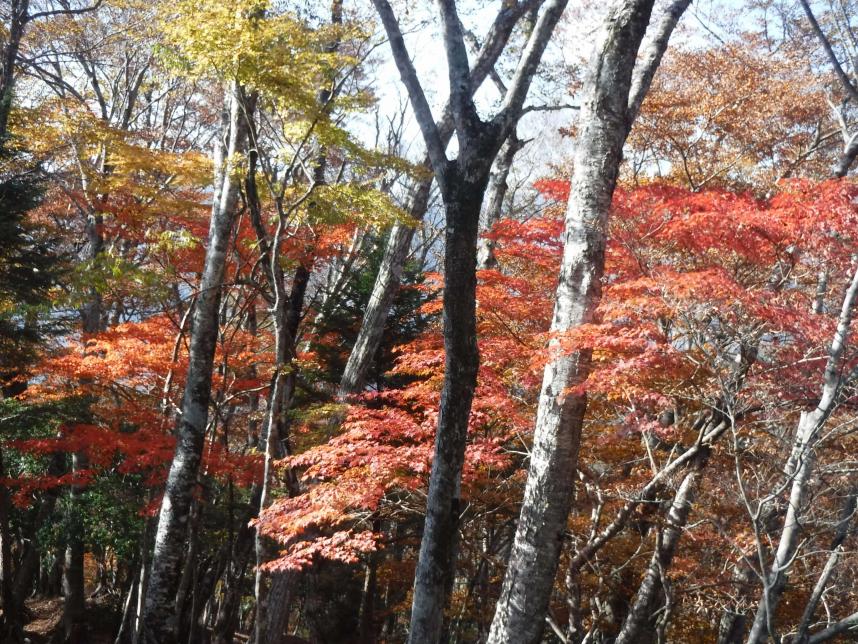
x: 280, y: 605
x: 384, y: 290
x: 159, y: 622
x: 731, y: 627
x: 74, y: 599
x: 287, y: 317
x: 463, y: 184
x: 17, y: 22
x: 850, y: 151
x: 639, y: 622
x: 604, y: 125
x: 126, y: 625
x: 495, y: 195
x: 398, y: 244
x: 10, y: 627
x: 436, y: 566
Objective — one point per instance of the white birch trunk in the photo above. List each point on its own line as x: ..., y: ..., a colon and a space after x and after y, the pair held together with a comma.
x: 606, y: 115
x: 159, y: 620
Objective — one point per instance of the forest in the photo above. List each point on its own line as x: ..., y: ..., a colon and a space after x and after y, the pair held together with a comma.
x: 439, y: 322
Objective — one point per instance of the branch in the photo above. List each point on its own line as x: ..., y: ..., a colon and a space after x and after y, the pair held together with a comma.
x: 650, y: 58
x: 63, y: 12
x: 458, y: 71
x: 826, y: 45
x: 835, y: 629
x: 422, y: 111
x: 527, y: 66
x: 549, y: 108
x: 496, y: 79
x: 497, y: 37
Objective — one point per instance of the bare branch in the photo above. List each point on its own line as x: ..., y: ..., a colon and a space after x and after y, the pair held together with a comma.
x: 422, y: 111
x: 527, y: 65
x: 829, y: 50
x: 64, y: 12
x: 458, y: 71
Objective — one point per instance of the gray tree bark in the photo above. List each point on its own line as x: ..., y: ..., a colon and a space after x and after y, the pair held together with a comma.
x: 607, y: 112
x: 799, y: 469
x: 159, y: 620
x: 850, y: 150
x: 498, y: 186
x: 383, y: 293
x: 640, y: 617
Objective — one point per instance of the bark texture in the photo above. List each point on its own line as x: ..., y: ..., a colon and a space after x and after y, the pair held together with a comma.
x: 381, y: 299
x: 159, y: 621
x: 436, y: 563
x: 18, y: 18
x: 607, y: 112
x: 639, y: 623
x: 498, y: 186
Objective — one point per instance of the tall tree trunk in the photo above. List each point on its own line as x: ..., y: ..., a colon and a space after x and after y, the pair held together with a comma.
x: 159, y: 621
x: 124, y: 634
x: 607, y: 112
x: 74, y: 599
x: 10, y: 626
x: 143, y: 583
x: 18, y: 16
x: 384, y: 291
x: 436, y: 566
x: 463, y: 184
x: 287, y: 315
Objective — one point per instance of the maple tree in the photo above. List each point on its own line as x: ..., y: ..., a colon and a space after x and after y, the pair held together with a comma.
x: 243, y: 318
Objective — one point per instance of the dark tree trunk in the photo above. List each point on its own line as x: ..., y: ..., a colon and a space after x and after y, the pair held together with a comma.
x: 74, y: 599
x: 640, y: 624
x: 434, y: 577
x: 399, y: 243
x: 226, y: 619
x: 463, y: 184
x: 10, y: 626
x: 17, y: 22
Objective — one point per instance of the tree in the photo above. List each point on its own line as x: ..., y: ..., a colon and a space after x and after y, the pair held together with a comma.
x: 612, y: 98
x: 463, y: 183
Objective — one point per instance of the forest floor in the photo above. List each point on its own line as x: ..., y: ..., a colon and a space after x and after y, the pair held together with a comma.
x: 47, y: 615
